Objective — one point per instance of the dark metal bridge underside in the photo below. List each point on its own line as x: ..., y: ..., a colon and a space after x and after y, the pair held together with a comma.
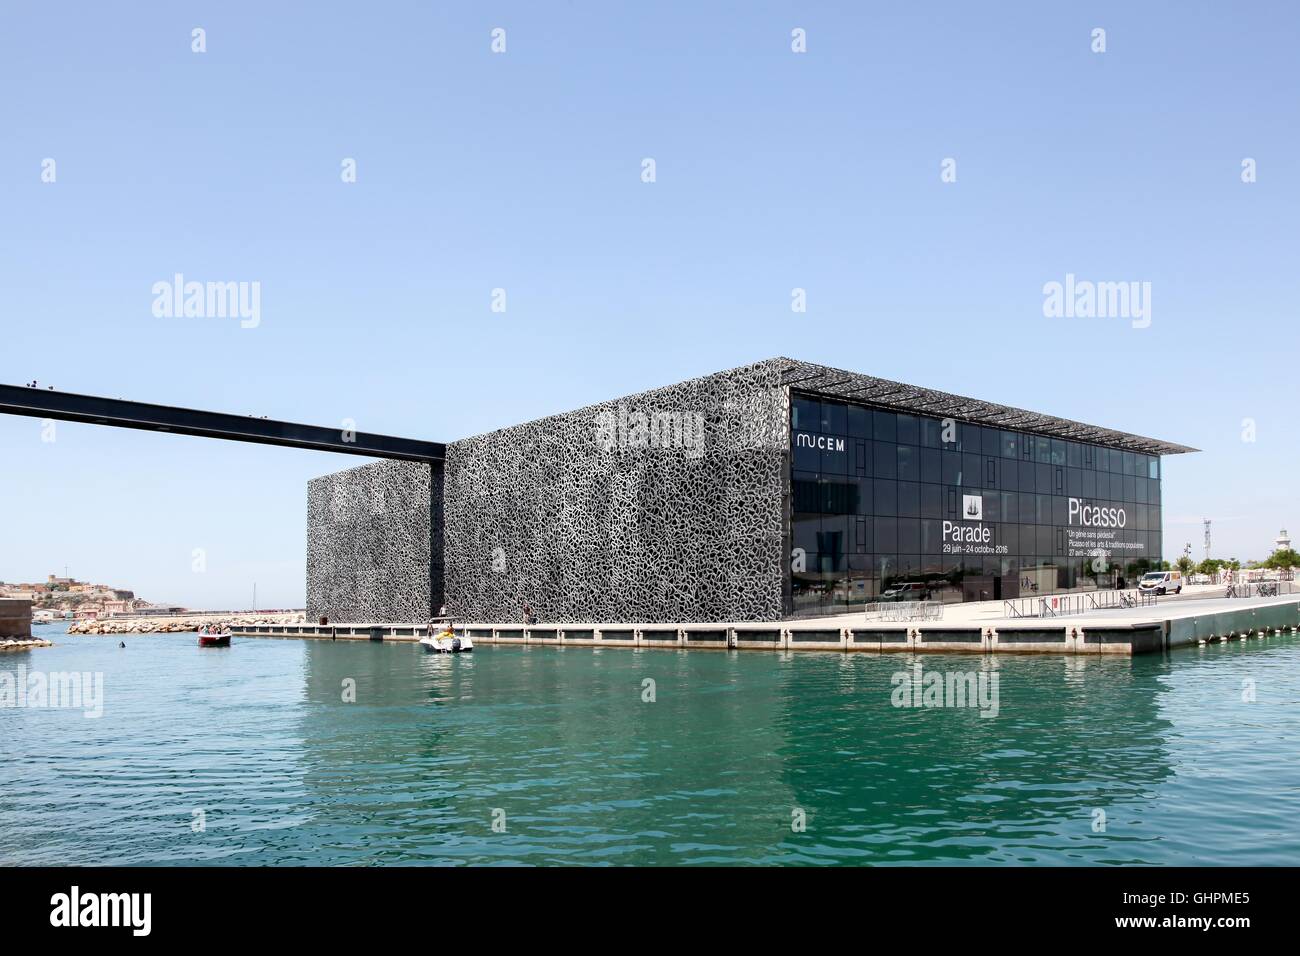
x: 94, y: 410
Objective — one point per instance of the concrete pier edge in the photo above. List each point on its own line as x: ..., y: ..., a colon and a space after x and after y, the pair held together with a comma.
x: 1087, y: 634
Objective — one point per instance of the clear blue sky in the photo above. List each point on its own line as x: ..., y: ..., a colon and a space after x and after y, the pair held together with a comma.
x: 521, y: 170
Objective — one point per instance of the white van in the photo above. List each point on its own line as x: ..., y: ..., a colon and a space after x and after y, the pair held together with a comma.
x: 1162, y: 582
x: 906, y: 591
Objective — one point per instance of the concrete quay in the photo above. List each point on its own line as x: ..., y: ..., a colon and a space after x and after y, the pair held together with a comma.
x: 968, y: 628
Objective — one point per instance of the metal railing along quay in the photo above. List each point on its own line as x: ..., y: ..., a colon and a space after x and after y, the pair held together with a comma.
x: 1250, y: 589
x: 1063, y: 605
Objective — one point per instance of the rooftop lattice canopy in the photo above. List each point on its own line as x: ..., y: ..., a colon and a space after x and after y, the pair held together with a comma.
x: 804, y: 376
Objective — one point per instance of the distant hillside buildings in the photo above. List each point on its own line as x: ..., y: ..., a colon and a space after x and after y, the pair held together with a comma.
x: 77, y: 599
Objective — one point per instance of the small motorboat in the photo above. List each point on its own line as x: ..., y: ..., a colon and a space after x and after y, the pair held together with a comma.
x: 209, y: 638
x: 446, y: 643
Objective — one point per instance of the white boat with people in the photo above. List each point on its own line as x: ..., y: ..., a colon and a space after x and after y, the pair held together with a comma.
x: 446, y: 641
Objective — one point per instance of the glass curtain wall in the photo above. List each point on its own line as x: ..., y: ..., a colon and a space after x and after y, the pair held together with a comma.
x: 871, y: 491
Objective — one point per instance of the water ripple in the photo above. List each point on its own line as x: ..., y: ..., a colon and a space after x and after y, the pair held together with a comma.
x: 251, y: 756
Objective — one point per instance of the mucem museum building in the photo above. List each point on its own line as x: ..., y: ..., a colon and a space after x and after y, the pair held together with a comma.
x: 776, y: 490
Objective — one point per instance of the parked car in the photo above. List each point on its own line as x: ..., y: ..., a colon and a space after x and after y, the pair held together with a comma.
x: 906, y: 591
x: 1161, y: 582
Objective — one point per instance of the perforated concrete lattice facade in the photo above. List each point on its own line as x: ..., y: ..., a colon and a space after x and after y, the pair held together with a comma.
x: 369, y: 543
x: 666, y: 505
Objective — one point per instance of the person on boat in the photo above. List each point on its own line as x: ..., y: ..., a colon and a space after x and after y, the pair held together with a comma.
x: 447, y: 639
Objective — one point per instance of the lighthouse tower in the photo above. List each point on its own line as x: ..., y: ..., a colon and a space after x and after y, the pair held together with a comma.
x: 1283, y: 542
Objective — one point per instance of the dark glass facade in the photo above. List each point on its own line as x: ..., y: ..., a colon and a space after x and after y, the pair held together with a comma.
x: 887, y: 505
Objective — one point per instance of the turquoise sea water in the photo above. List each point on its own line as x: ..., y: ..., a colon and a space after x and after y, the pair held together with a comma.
x: 560, y: 747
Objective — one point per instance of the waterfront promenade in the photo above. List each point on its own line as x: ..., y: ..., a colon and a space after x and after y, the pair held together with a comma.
x: 972, y: 628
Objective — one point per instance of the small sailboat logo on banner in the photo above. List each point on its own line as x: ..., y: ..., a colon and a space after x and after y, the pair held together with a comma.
x: 972, y: 507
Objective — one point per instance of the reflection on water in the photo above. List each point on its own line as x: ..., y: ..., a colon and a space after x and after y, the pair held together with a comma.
x: 259, y: 744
